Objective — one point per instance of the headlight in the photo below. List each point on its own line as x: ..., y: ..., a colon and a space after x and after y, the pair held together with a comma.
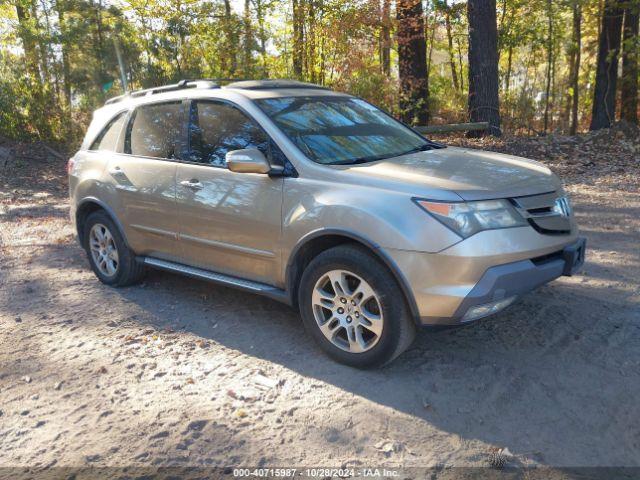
x: 467, y: 218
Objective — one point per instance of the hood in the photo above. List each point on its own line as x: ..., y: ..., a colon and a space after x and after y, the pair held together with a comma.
x: 471, y: 174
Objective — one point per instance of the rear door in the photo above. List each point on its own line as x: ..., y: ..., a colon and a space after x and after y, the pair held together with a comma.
x: 144, y: 176
x: 228, y: 222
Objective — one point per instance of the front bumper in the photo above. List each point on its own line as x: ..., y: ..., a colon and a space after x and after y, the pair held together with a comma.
x: 462, y: 283
x: 501, y: 284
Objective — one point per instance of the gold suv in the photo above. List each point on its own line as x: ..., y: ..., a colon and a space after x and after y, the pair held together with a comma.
x: 320, y: 200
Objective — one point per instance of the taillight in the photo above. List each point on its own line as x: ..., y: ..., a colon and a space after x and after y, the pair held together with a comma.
x: 70, y: 163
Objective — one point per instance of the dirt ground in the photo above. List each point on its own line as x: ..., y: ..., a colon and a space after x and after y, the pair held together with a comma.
x: 178, y: 372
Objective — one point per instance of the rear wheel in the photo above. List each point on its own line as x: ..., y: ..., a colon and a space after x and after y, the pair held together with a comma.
x: 354, y: 308
x: 110, y: 258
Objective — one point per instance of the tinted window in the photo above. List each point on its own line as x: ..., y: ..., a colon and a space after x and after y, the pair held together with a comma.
x: 108, y: 138
x: 217, y: 128
x: 155, y: 130
x: 341, y: 130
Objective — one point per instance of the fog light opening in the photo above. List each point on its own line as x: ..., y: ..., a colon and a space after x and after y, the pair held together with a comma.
x: 480, y: 311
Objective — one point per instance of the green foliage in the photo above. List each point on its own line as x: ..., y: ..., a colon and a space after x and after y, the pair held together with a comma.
x: 56, y: 56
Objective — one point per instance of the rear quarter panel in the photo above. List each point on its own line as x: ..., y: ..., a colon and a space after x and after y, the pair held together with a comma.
x: 86, y: 179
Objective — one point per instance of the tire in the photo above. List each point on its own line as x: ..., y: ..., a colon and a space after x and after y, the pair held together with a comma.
x: 127, y: 270
x: 352, y: 264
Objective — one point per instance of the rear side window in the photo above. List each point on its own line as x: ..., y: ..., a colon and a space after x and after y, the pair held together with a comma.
x: 155, y: 130
x: 217, y: 128
x: 108, y: 138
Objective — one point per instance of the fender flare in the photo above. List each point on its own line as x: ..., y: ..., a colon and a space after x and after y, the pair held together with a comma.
x: 372, y: 246
x: 109, y: 212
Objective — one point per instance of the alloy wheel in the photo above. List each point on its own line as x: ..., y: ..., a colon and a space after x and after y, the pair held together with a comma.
x: 103, y: 250
x: 347, y: 311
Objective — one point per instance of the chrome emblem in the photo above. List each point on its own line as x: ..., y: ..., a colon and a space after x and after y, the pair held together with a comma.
x: 562, y: 207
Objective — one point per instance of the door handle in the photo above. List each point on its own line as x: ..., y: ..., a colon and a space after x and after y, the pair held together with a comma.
x: 193, y: 184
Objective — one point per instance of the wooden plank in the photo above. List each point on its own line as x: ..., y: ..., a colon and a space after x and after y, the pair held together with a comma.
x: 454, y: 127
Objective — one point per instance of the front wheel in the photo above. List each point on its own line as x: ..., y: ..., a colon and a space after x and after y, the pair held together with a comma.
x: 354, y: 308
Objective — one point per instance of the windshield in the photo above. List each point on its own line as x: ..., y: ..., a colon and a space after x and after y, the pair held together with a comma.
x: 336, y: 130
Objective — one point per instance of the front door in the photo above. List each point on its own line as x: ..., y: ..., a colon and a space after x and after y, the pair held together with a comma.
x: 228, y: 222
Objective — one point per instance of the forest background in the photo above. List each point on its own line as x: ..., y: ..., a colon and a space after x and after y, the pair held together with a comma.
x: 525, y: 66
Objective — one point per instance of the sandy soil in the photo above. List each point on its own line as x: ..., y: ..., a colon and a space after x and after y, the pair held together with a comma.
x: 178, y: 372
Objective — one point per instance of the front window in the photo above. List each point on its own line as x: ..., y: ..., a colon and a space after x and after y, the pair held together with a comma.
x: 217, y: 128
x: 335, y: 130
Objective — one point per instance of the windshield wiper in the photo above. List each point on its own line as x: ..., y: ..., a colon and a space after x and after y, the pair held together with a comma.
x: 421, y: 148
x: 374, y: 158
x: 357, y: 160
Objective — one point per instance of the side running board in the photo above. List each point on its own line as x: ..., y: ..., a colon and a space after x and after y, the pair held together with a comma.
x: 219, y: 278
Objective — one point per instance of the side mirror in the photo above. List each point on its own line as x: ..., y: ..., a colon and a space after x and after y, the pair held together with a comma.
x: 247, y: 160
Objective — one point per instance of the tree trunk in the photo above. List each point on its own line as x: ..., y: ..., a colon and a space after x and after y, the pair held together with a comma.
x: 65, y: 51
x: 231, y: 40
x: 460, y: 64
x: 99, y: 49
x: 385, y: 37
x: 412, y: 62
x: 25, y: 32
x: 452, y: 62
x: 248, y: 40
x: 629, y: 80
x: 547, y: 95
x: 61, y: 6
x: 507, y: 77
x: 604, y: 94
x: 310, y: 41
x: 262, y: 36
x: 430, y: 43
x: 483, y: 65
x: 503, y: 14
x: 575, y: 65
x: 42, y: 44
x: 298, y: 38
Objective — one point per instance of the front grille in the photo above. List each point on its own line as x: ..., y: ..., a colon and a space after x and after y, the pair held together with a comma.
x: 549, y: 213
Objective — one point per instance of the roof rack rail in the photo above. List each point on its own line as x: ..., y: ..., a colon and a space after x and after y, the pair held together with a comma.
x: 181, y: 85
x: 117, y: 99
x: 241, y: 83
x: 272, y: 83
